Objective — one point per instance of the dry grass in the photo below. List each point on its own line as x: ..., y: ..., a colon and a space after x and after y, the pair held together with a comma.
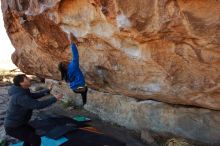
x: 177, y: 142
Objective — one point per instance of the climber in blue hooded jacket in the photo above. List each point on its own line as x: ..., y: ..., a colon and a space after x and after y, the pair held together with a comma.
x: 71, y: 73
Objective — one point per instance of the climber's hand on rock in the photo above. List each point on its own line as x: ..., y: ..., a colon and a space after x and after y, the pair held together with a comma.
x: 73, y: 39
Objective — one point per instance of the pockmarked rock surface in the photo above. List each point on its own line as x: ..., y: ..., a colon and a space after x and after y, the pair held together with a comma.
x: 166, y: 50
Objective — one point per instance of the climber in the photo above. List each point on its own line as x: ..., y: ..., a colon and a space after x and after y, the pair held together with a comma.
x: 71, y: 72
x: 20, y: 108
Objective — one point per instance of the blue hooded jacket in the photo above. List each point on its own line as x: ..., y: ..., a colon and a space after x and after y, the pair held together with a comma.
x: 74, y: 74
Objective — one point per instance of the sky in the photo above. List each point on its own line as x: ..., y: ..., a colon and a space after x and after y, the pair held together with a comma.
x: 6, y: 48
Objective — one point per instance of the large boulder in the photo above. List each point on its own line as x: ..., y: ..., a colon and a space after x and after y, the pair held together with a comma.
x: 166, y: 50
x: 196, y: 124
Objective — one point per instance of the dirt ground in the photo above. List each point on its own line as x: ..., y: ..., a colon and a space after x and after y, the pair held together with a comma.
x: 130, y: 137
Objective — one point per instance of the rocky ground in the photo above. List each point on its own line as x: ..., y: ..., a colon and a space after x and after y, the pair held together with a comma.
x: 4, y: 99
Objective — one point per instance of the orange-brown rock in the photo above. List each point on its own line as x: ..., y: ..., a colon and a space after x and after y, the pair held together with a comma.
x: 166, y: 50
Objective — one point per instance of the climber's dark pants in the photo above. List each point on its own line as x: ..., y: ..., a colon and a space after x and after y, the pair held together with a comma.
x: 24, y: 133
x: 83, y: 94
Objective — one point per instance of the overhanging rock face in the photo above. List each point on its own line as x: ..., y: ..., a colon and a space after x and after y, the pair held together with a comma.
x: 167, y: 50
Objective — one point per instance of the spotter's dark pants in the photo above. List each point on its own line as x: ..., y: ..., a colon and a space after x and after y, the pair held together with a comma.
x: 24, y: 133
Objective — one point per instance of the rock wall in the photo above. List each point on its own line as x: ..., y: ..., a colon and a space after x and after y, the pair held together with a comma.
x: 166, y: 50
x: 196, y: 124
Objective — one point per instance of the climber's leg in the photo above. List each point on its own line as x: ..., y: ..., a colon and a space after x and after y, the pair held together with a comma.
x: 83, y: 92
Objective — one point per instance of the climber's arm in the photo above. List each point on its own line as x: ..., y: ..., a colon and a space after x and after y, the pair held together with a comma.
x: 75, y: 54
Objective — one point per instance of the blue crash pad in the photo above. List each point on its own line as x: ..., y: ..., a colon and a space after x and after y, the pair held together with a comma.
x: 45, y: 141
